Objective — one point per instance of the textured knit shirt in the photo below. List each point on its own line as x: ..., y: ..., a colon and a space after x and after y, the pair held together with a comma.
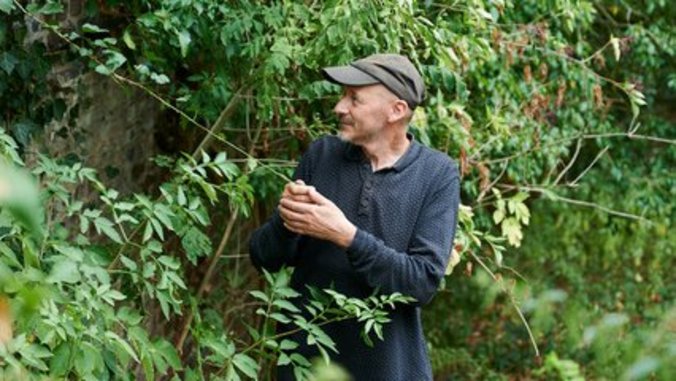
x: 405, y: 217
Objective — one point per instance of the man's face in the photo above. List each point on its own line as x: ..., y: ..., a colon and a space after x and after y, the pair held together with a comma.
x: 363, y: 113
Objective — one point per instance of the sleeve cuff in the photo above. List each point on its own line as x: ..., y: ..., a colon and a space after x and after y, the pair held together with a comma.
x: 360, y: 244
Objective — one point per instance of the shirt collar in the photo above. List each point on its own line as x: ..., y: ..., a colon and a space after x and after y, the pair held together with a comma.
x: 354, y: 153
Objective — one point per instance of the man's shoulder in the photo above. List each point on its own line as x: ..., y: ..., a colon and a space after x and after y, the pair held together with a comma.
x: 326, y: 145
x: 438, y: 161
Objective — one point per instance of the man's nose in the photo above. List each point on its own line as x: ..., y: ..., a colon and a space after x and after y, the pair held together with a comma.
x: 340, y: 108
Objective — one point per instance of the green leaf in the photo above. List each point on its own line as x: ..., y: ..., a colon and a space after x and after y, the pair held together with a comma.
x: 512, y: 230
x: 196, y: 244
x: 246, y: 364
x: 160, y: 79
x: 64, y: 270
x: 168, y: 352
x: 6, y: 6
x: 170, y: 262
x: 283, y: 359
x: 52, y: 7
x: 8, y: 62
x: 286, y: 305
x: 287, y: 345
x: 259, y: 295
x: 126, y: 37
x: 59, y: 364
x: 91, y: 28
x: 184, y: 41
x: 104, y: 225
x: 123, y: 343
x: 34, y: 354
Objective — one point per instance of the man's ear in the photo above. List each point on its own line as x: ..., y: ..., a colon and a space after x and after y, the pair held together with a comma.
x: 398, y: 112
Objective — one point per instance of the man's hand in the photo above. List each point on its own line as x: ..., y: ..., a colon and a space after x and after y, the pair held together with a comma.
x: 306, y: 211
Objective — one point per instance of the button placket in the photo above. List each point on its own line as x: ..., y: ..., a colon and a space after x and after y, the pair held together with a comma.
x: 367, y: 188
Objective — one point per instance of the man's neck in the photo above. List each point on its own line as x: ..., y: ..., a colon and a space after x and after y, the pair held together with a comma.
x: 384, y: 152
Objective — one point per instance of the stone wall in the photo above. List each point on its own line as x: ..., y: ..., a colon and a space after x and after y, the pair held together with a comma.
x: 106, y: 126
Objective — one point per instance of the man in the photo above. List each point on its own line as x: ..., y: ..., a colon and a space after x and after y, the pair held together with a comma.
x: 370, y: 209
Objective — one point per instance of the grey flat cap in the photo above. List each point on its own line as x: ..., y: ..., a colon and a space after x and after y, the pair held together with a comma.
x: 393, y: 71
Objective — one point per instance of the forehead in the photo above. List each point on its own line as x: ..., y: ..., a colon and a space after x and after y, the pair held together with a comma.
x: 370, y: 90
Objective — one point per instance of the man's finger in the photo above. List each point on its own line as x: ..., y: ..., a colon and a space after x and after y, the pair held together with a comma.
x: 301, y: 198
x: 317, y: 197
x: 289, y: 215
x: 298, y: 207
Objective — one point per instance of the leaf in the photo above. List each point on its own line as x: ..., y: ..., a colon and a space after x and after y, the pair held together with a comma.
x: 8, y: 62
x: 126, y: 37
x: 283, y: 359
x: 615, y: 42
x: 286, y: 305
x: 184, y: 41
x: 280, y: 318
x: 196, y: 244
x: 246, y: 364
x: 287, y: 345
x: 170, y: 262
x: 168, y: 352
x: 34, y: 354
x: 123, y: 343
x: 51, y: 8
x: 6, y: 6
x: 64, y: 270
x: 91, y: 28
x: 259, y: 295
x: 115, y: 59
x: 104, y: 225
x: 160, y: 79
x: 512, y: 230
x: 60, y: 362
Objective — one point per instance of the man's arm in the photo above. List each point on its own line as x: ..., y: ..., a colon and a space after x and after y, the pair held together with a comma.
x: 416, y: 272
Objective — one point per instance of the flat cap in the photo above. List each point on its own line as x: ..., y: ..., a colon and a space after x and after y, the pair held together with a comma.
x: 393, y: 71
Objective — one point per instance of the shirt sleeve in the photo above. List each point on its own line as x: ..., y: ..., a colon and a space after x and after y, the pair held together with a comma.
x: 418, y: 271
x: 272, y: 245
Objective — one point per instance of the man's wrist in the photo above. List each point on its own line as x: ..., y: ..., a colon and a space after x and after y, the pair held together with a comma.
x: 346, y: 236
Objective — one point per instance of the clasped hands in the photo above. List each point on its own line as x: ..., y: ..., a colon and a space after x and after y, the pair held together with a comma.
x: 305, y: 211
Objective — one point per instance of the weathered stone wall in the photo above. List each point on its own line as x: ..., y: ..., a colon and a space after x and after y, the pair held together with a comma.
x: 106, y: 126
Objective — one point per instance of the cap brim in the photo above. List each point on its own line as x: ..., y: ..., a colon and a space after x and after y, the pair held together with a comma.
x: 348, y: 76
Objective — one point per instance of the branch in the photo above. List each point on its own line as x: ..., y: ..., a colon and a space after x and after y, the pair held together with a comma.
x: 581, y: 175
x: 570, y: 163
x: 512, y: 300
x: 556, y: 197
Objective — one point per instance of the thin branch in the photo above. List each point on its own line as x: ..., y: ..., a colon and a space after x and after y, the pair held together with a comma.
x: 573, y: 201
x: 492, y: 184
x: 512, y: 300
x: 581, y: 175
x: 575, y: 137
x: 570, y: 163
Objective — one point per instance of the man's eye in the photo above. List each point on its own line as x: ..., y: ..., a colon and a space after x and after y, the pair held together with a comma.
x: 354, y: 98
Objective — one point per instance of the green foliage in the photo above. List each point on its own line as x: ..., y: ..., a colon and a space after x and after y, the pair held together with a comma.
x: 557, y: 111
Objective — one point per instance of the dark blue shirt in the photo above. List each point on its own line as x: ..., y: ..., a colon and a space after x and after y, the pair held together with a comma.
x: 406, y: 218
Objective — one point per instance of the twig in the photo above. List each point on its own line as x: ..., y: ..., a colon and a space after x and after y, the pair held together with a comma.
x: 570, y: 163
x: 512, y: 300
x: 492, y: 184
x: 573, y: 201
x: 584, y: 172
x: 579, y: 136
